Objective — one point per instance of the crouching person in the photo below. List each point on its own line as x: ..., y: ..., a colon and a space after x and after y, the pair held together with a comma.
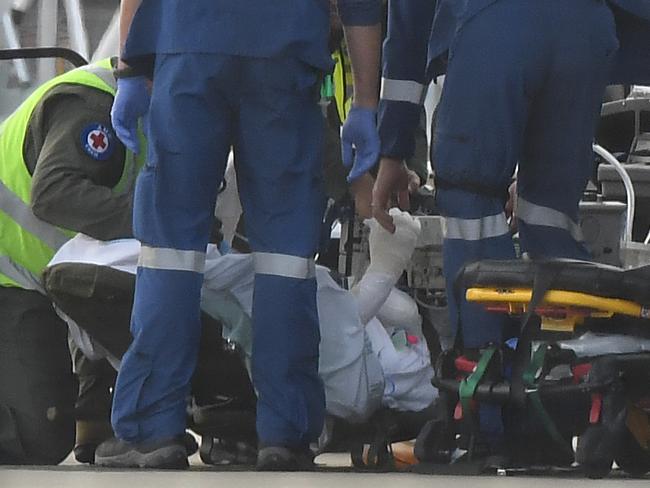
x: 62, y: 171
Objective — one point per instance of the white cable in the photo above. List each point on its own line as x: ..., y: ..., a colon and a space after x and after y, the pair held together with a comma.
x: 647, y: 238
x: 629, y: 188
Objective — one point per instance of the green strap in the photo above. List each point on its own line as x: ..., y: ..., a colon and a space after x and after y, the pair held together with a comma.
x: 529, y: 378
x: 327, y: 88
x: 468, y: 386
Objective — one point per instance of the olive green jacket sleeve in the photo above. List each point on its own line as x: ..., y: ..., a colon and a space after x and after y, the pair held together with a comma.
x: 72, y: 183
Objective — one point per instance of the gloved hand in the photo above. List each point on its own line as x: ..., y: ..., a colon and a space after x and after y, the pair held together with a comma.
x: 390, y: 253
x: 360, y: 141
x: 131, y: 102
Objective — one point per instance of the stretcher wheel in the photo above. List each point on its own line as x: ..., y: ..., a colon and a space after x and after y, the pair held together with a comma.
x: 434, y: 443
x: 207, y: 443
x: 375, y: 456
x: 356, y: 456
x: 593, y: 455
x: 379, y: 456
x: 632, y: 458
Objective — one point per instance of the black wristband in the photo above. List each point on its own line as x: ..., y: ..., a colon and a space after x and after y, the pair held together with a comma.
x: 126, y: 72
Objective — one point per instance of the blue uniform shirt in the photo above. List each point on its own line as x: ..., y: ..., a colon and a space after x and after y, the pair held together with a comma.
x: 420, y: 33
x: 252, y: 28
x: 632, y: 19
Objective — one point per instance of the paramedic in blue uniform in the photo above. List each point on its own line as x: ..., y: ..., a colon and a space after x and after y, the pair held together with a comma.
x: 242, y: 74
x: 524, y: 84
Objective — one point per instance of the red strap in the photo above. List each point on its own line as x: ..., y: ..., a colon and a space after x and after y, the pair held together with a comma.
x: 580, y: 371
x: 458, y: 412
x: 465, y: 365
x: 596, y: 408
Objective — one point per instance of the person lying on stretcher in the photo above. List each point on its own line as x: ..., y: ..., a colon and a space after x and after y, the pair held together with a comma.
x: 372, y: 352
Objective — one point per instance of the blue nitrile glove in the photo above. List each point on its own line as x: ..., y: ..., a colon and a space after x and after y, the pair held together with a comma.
x: 131, y: 102
x: 360, y: 141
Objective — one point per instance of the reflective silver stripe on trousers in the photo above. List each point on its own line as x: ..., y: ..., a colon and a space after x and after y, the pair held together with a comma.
x: 106, y: 75
x: 171, y: 259
x: 20, y: 275
x: 284, y: 265
x: 475, y: 229
x: 403, y: 91
x: 20, y: 213
x: 533, y: 214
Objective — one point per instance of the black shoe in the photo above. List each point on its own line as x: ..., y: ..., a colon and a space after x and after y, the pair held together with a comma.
x: 89, y: 434
x: 163, y: 454
x: 277, y: 458
x: 225, y: 452
x: 85, y: 453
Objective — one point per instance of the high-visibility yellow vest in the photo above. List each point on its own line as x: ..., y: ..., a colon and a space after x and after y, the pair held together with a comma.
x: 343, y: 83
x: 27, y: 243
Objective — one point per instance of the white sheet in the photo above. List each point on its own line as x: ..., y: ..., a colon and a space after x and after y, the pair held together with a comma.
x: 354, y: 360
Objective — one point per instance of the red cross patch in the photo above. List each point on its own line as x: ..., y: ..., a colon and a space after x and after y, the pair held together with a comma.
x: 97, y: 141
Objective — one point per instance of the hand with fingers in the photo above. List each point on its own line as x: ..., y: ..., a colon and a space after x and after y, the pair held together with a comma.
x: 131, y: 102
x: 391, y: 251
x: 414, y: 181
x: 393, y: 183
x: 360, y: 141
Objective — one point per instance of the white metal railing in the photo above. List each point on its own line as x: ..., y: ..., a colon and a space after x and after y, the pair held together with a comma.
x: 47, y: 30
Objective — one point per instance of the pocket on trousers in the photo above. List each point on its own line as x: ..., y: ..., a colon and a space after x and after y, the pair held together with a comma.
x: 455, y: 156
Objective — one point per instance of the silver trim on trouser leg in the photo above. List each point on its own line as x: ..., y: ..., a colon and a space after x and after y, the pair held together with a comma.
x: 171, y: 259
x: 284, y: 265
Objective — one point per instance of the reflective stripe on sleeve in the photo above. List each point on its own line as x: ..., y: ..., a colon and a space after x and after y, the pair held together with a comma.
x: 403, y: 91
x: 533, y: 214
x: 106, y: 75
x: 475, y: 229
x: 20, y: 213
x: 284, y: 265
x: 171, y: 259
x: 22, y: 276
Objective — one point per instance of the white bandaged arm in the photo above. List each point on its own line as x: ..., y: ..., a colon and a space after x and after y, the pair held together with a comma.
x: 389, y: 256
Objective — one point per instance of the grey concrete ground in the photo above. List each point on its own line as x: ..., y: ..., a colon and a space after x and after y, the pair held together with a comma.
x: 62, y: 477
x: 72, y: 475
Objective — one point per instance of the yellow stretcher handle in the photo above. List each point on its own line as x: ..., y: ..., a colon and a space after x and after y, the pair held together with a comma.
x: 521, y: 296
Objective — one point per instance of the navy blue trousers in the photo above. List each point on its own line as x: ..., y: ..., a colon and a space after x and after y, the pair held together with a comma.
x: 266, y: 109
x: 524, y: 86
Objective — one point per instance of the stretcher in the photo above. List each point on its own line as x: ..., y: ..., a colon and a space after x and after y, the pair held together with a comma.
x: 99, y: 300
x: 578, y: 365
